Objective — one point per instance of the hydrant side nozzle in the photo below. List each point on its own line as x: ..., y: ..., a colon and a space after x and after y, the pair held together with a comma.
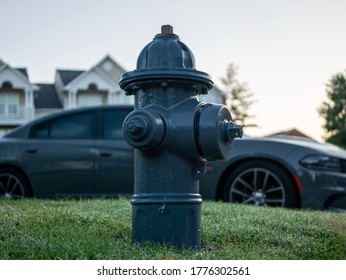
x: 233, y: 131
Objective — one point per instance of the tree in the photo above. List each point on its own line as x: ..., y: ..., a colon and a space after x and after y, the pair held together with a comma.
x: 334, y: 110
x: 238, y: 97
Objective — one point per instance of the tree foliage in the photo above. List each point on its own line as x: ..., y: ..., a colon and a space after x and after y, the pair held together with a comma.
x: 334, y: 110
x: 238, y: 97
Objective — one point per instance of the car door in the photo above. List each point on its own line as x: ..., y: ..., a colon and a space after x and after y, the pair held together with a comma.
x: 59, y: 155
x: 114, y: 156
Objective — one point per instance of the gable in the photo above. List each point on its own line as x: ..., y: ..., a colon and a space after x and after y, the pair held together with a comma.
x: 15, y: 78
x: 92, y: 77
x: 110, y: 68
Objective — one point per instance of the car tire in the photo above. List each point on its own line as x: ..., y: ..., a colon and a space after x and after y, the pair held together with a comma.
x: 261, y: 183
x: 13, y: 185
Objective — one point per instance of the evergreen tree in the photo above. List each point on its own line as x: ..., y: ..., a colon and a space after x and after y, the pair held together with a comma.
x: 238, y: 97
x: 334, y: 110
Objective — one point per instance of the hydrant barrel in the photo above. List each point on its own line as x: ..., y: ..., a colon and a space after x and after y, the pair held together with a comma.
x: 174, y: 135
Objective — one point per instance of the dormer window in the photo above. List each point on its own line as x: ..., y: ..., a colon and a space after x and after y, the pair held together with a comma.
x: 107, y: 66
x: 92, y: 86
x: 6, y: 85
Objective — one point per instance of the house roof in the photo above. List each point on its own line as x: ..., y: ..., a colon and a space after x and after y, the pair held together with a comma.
x: 23, y: 71
x: 69, y: 75
x: 47, y: 97
x: 291, y: 132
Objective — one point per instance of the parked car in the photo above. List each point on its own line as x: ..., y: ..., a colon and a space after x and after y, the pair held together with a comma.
x: 82, y: 153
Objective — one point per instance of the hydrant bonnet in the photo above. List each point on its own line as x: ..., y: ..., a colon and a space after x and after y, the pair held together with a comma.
x: 166, y: 58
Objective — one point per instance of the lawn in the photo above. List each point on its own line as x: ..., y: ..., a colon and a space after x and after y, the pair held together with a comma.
x: 101, y: 229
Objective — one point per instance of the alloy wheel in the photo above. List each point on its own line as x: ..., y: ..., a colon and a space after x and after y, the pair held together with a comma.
x: 258, y: 186
x: 11, y: 187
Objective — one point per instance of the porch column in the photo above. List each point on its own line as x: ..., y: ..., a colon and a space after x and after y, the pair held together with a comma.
x: 29, y: 105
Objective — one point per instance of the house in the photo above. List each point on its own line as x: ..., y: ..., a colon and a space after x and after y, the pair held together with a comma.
x: 22, y: 101
x: 215, y: 95
x: 290, y: 132
x: 16, y: 97
x: 76, y: 88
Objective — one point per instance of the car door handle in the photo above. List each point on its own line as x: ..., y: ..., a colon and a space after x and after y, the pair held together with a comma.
x: 105, y: 154
x: 31, y: 150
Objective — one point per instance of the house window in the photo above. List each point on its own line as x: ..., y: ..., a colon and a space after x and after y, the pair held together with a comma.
x: 9, y: 105
x: 89, y: 100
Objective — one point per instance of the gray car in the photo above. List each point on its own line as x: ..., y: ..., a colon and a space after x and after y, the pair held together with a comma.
x: 82, y: 153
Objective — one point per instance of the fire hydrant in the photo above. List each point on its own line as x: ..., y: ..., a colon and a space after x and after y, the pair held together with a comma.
x: 174, y: 135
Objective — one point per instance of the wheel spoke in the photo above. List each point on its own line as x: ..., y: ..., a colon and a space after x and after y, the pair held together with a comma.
x: 255, y: 179
x: 240, y: 193
x: 8, y: 182
x: 246, y: 184
x: 280, y: 188
x: 14, y: 186
x: 265, y: 181
x: 250, y: 199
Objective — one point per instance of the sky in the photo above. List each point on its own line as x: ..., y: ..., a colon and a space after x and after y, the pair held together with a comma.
x: 286, y: 51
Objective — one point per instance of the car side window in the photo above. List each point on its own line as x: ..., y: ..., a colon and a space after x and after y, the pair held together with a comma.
x: 40, y: 131
x: 74, y: 126
x: 112, y: 123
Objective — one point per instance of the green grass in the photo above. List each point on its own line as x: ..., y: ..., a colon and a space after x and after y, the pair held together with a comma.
x: 101, y: 229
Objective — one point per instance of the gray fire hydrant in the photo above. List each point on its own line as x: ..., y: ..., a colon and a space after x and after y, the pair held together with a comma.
x: 174, y: 135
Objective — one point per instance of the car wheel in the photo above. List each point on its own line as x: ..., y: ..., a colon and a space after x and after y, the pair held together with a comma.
x: 261, y: 183
x: 12, y: 184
